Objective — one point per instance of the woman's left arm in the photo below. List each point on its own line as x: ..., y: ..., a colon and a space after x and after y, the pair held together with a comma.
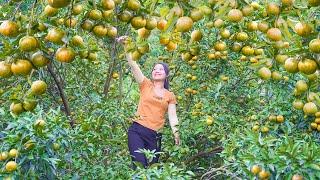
x: 173, y: 120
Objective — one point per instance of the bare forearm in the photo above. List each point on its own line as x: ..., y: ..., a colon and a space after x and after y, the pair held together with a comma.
x: 135, y: 69
x: 174, y: 125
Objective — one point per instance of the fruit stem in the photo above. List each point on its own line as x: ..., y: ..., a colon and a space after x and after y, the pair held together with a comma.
x: 94, y: 4
x: 32, y: 16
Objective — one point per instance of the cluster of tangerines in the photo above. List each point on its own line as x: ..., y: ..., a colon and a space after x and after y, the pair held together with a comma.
x: 9, y: 160
x: 263, y: 174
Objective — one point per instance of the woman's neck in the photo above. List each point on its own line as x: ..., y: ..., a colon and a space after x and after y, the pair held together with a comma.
x: 158, y: 84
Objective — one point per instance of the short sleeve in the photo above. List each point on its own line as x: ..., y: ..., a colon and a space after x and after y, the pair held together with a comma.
x: 172, y: 99
x: 145, y: 84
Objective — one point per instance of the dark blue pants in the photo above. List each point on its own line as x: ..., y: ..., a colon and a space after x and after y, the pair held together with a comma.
x: 140, y: 137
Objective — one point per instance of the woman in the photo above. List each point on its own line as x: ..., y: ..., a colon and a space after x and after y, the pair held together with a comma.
x: 155, y: 101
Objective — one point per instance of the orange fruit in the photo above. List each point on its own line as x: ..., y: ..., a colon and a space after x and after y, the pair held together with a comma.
x: 28, y: 43
x: 274, y: 34
x: 21, y: 67
x: 264, y: 73
x: 314, y: 46
x: 307, y: 66
x: 235, y: 15
x: 38, y: 87
x: 255, y: 169
x: 184, y: 24
x: 291, y: 65
x: 5, y: 69
x: 11, y: 166
x: 310, y: 108
x: 65, y: 54
x: 9, y: 28
x: 58, y: 3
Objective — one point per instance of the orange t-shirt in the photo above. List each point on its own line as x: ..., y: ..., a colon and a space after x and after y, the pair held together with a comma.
x: 151, y: 108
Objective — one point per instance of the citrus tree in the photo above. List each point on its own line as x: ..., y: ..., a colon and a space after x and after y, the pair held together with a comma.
x: 245, y: 74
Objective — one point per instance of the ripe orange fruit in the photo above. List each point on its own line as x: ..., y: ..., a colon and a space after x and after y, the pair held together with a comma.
x: 58, y: 3
x: 125, y: 16
x: 107, y: 4
x: 39, y: 60
x: 16, y: 108
x: 184, y: 24
x: 9, y: 28
x: 314, y: 125
x: 218, y: 23
x: 209, y: 120
x: 56, y: 146
x: 87, y: 25
x: 13, y: 153
x: 136, y: 55
x: 255, y: 169
x: 274, y: 34
x: 134, y: 5
x: 301, y: 86
x: 55, y: 35
x: 276, y: 75
x: 38, y: 87
x: 11, y: 166
x: 307, y: 66
x: 235, y: 15
x: 287, y: 2
x: 242, y: 36
x: 247, y: 51
x: 50, y: 11
x: 291, y: 65
x: 77, y: 40
x: 196, y: 35
x: 196, y: 15
x: 252, y: 26
x: 317, y: 120
x: 29, y: 105
x: 264, y: 174
x: 112, y: 32
x: 263, y: 26
x: 314, y: 2
x: 302, y: 29
x: 264, y: 73
x: 220, y: 46
x: 247, y: 10
x: 314, y: 46
x: 310, y: 108
x: 264, y: 129
x: 255, y: 128
x: 273, y: 9
x: 28, y: 43
x: 225, y: 33
x: 70, y: 22
x: 100, y: 30
x: 162, y: 24
x: 281, y: 58
x: 138, y: 22
x: 21, y: 67
x: 280, y: 119
x: 65, y: 54
x: 4, y: 156
x: 151, y: 23
x: 39, y: 123
x: 5, y: 69
x: 298, y: 104
x: 95, y: 14
x: 77, y: 9
x: 177, y: 11
x: 144, y: 33
x: 171, y: 46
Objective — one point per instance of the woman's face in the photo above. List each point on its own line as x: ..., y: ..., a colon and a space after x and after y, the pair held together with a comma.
x: 158, y: 72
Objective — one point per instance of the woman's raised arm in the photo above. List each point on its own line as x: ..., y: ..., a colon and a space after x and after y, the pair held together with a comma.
x: 135, y: 69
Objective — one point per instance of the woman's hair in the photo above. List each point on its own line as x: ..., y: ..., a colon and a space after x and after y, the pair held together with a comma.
x: 166, y: 69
